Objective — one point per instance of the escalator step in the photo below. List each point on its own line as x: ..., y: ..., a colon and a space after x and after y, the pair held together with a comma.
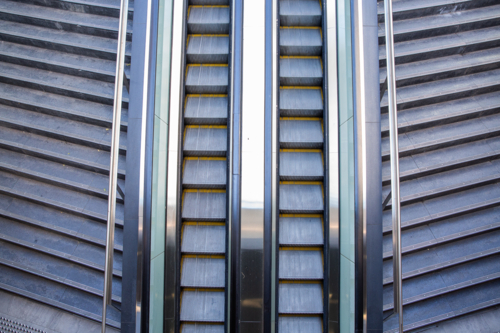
x: 300, y: 42
x: 301, y: 231
x: 300, y: 13
x: 301, y: 102
x: 301, y: 198
x: 301, y: 165
x: 208, y: 20
x: 202, y: 328
x: 206, y: 79
x: 205, y: 141
x: 205, y: 110
x: 301, y: 71
x: 301, y: 134
x: 204, y: 205
x: 300, y: 324
x: 203, y: 238
x: 300, y: 298
x: 203, y: 272
x: 204, y: 173
x: 202, y: 306
x: 203, y: 49
x: 301, y: 265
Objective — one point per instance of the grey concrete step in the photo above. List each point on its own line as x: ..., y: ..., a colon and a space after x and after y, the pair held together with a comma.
x: 59, y: 128
x: 61, y: 62
x: 52, y: 39
x: 301, y: 71
x: 60, y: 106
x: 207, y: 49
x: 204, y: 205
x: 83, y: 23
x: 419, y: 8
x: 205, y: 141
x: 448, y: 112
x: 97, y: 7
x: 207, y: 79
x: 204, y: 173
x: 442, y: 46
x: 443, y: 68
x: 301, y: 102
x: 300, y: 13
x: 209, y: 19
x: 445, y: 90
x: 205, y: 110
x: 62, y: 84
x: 449, y: 23
x: 300, y: 41
x: 203, y: 238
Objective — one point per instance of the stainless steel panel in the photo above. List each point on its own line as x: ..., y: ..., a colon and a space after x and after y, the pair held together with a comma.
x: 175, y: 112
x: 205, y: 306
x: 252, y: 164
x: 298, y: 298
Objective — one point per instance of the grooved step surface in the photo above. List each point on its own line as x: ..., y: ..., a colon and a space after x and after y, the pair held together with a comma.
x: 57, y: 64
x: 448, y: 79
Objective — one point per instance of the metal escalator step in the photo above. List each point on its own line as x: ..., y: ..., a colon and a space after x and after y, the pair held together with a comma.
x: 301, y: 165
x: 301, y: 71
x: 301, y: 102
x: 204, y: 205
x: 205, y: 141
x: 208, y: 20
x: 207, y: 79
x: 203, y: 239
x: 208, y: 110
x: 301, y: 198
x: 207, y: 49
x: 301, y: 231
x: 301, y: 133
x: 202, y: 306
x: 300, y: 13
x: 203, y: 272
x: 204, y: 173
x: 301, y: 265
x: 300, y: 298
x: 202, y: 328
x: 300, y: 42
x: 298, y: 324
x: 209, y: 2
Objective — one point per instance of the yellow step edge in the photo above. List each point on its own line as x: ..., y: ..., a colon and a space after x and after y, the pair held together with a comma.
x: 222, y: 224
x: 286, y: 150
x: 189, y: 190
x: 298, y: 27
x: 204, y: 256
x: 303, y: 215
x: 316, y: 281
x: 300, y: 57
x: 299, y: 248
x: 208, y: 35
x: 291, y: 182
x: 203, y: 289
x: 207, y: 65
x: 205, y: 158
x: 206, y: 95
x: 302, y: 118
x: 206, y: 126
x: 301, y: 87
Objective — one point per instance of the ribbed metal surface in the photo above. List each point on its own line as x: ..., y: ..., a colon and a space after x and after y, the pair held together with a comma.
x: 448, y: 78
x: 57, y: 64
x: 301, y: 168
x: 204, y: 173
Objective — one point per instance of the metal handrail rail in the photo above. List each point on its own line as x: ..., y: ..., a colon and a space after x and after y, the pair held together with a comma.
x: 113, y: 165
x: 394, y: 155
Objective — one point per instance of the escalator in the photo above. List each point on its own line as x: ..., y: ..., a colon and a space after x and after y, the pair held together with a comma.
x: 301, y: 168
x: 448, y: 81
x: 204, y: 168
x: 57, y: 72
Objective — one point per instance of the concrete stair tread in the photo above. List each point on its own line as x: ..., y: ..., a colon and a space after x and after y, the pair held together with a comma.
x: 68, y: 85
x: 99, y: 25
x: 59, y: 105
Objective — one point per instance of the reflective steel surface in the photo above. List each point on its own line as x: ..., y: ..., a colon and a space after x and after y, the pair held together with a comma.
x: 332, y: 116
x: 176, y: 93
x: 252, y: 167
